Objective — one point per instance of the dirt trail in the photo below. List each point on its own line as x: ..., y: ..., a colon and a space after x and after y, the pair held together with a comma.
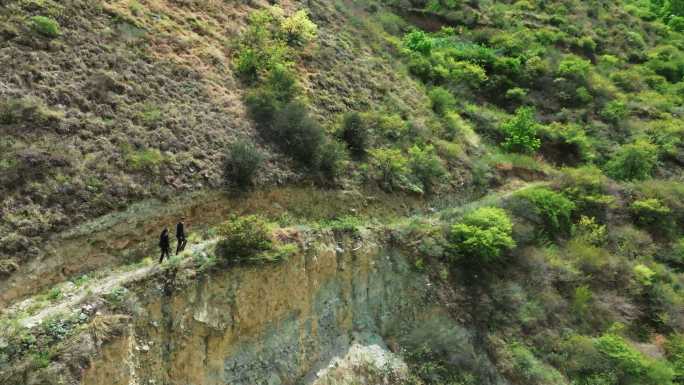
x: 112, y: 278
x: 128, y: 236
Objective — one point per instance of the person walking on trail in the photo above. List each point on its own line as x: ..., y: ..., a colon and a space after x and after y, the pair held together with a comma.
x: 180, y: 236
x: 164, y: 244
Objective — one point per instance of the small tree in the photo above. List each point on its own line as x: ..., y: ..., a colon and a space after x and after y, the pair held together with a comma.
x: 521, y: 132
x: 482, y: 237
x: 242, y: 162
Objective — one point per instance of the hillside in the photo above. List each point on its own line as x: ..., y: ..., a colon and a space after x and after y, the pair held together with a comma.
x: 393, y: 191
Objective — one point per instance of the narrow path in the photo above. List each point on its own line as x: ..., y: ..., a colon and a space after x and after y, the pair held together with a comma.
x: 73, y: 298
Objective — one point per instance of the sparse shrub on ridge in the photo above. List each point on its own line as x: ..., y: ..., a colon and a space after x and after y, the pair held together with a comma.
x: 243, y: 238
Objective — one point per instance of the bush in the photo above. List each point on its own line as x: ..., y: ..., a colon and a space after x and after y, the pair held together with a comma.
x: 521, y: 132
x: 574, y: 68
x: 148, y: 159
x: 482, y: 237
x: 298, y: 28
x: 45, y: 26
x: 631, y: 366
x: 243, y: 238
x: 355, y: 133
x: 418, y: 41
x: 634, y: 161
x: 614, y: 111
x: 652, y: 214
x: 242, y: 162
x: 442, y: 100
x: 332, y: 159
x: 553, y: 208
x: 587, y: 187
x: 426, y: 167
x: 391, y: 168
x: 297, y: 133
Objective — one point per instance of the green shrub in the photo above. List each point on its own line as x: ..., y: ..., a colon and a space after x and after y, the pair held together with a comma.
x: 243, y: 238
x: 676, y: 256
x: 442, y: 100
x: 574, y: 68
x: 298, y: 28
x: 482, y: 237
x: 675, y: 354
x: 587, y: 187
x: 148, y: 159
x: 614, y: 111
x: 390, y: 167
x: 652, y: 214
x: 521, y: 132
x: 530, y: 370
x: 418, y: 41
x: 554, y: 209
x: 297, y: 133
x: 631, y: 366
x: 568, y: 143
x: 355, y: 133
x: 426, y: 167
x: 45, y: 26
x: 332, y: 160
x: 243, y: 160
x: 634, y: 161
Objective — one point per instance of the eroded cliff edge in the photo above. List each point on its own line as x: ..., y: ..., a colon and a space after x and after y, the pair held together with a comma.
x: 269, y: 324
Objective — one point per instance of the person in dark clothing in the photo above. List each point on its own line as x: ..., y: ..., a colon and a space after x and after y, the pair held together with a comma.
x: 180, y: 236
x: 164, y: 244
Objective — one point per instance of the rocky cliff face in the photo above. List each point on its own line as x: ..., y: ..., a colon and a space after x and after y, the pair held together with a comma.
x: 341, y: 299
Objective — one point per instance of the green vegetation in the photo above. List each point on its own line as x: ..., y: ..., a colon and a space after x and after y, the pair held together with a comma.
x: 521, y: 132
x: 242, y: 163
x: 482, y: 237
x: 243, y: 239
x: 45, y: 26
x: 553, y: 210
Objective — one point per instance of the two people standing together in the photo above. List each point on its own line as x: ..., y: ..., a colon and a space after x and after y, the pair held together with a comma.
x: 165, y: 242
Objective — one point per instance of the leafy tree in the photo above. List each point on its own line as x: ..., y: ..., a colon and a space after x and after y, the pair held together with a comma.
x: 634, y: 161
x: 521, y: 132
x: 482, y: 237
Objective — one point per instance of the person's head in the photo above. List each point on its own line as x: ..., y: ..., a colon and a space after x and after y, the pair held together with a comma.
x: 182, y: 219
x: 166, y: 230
